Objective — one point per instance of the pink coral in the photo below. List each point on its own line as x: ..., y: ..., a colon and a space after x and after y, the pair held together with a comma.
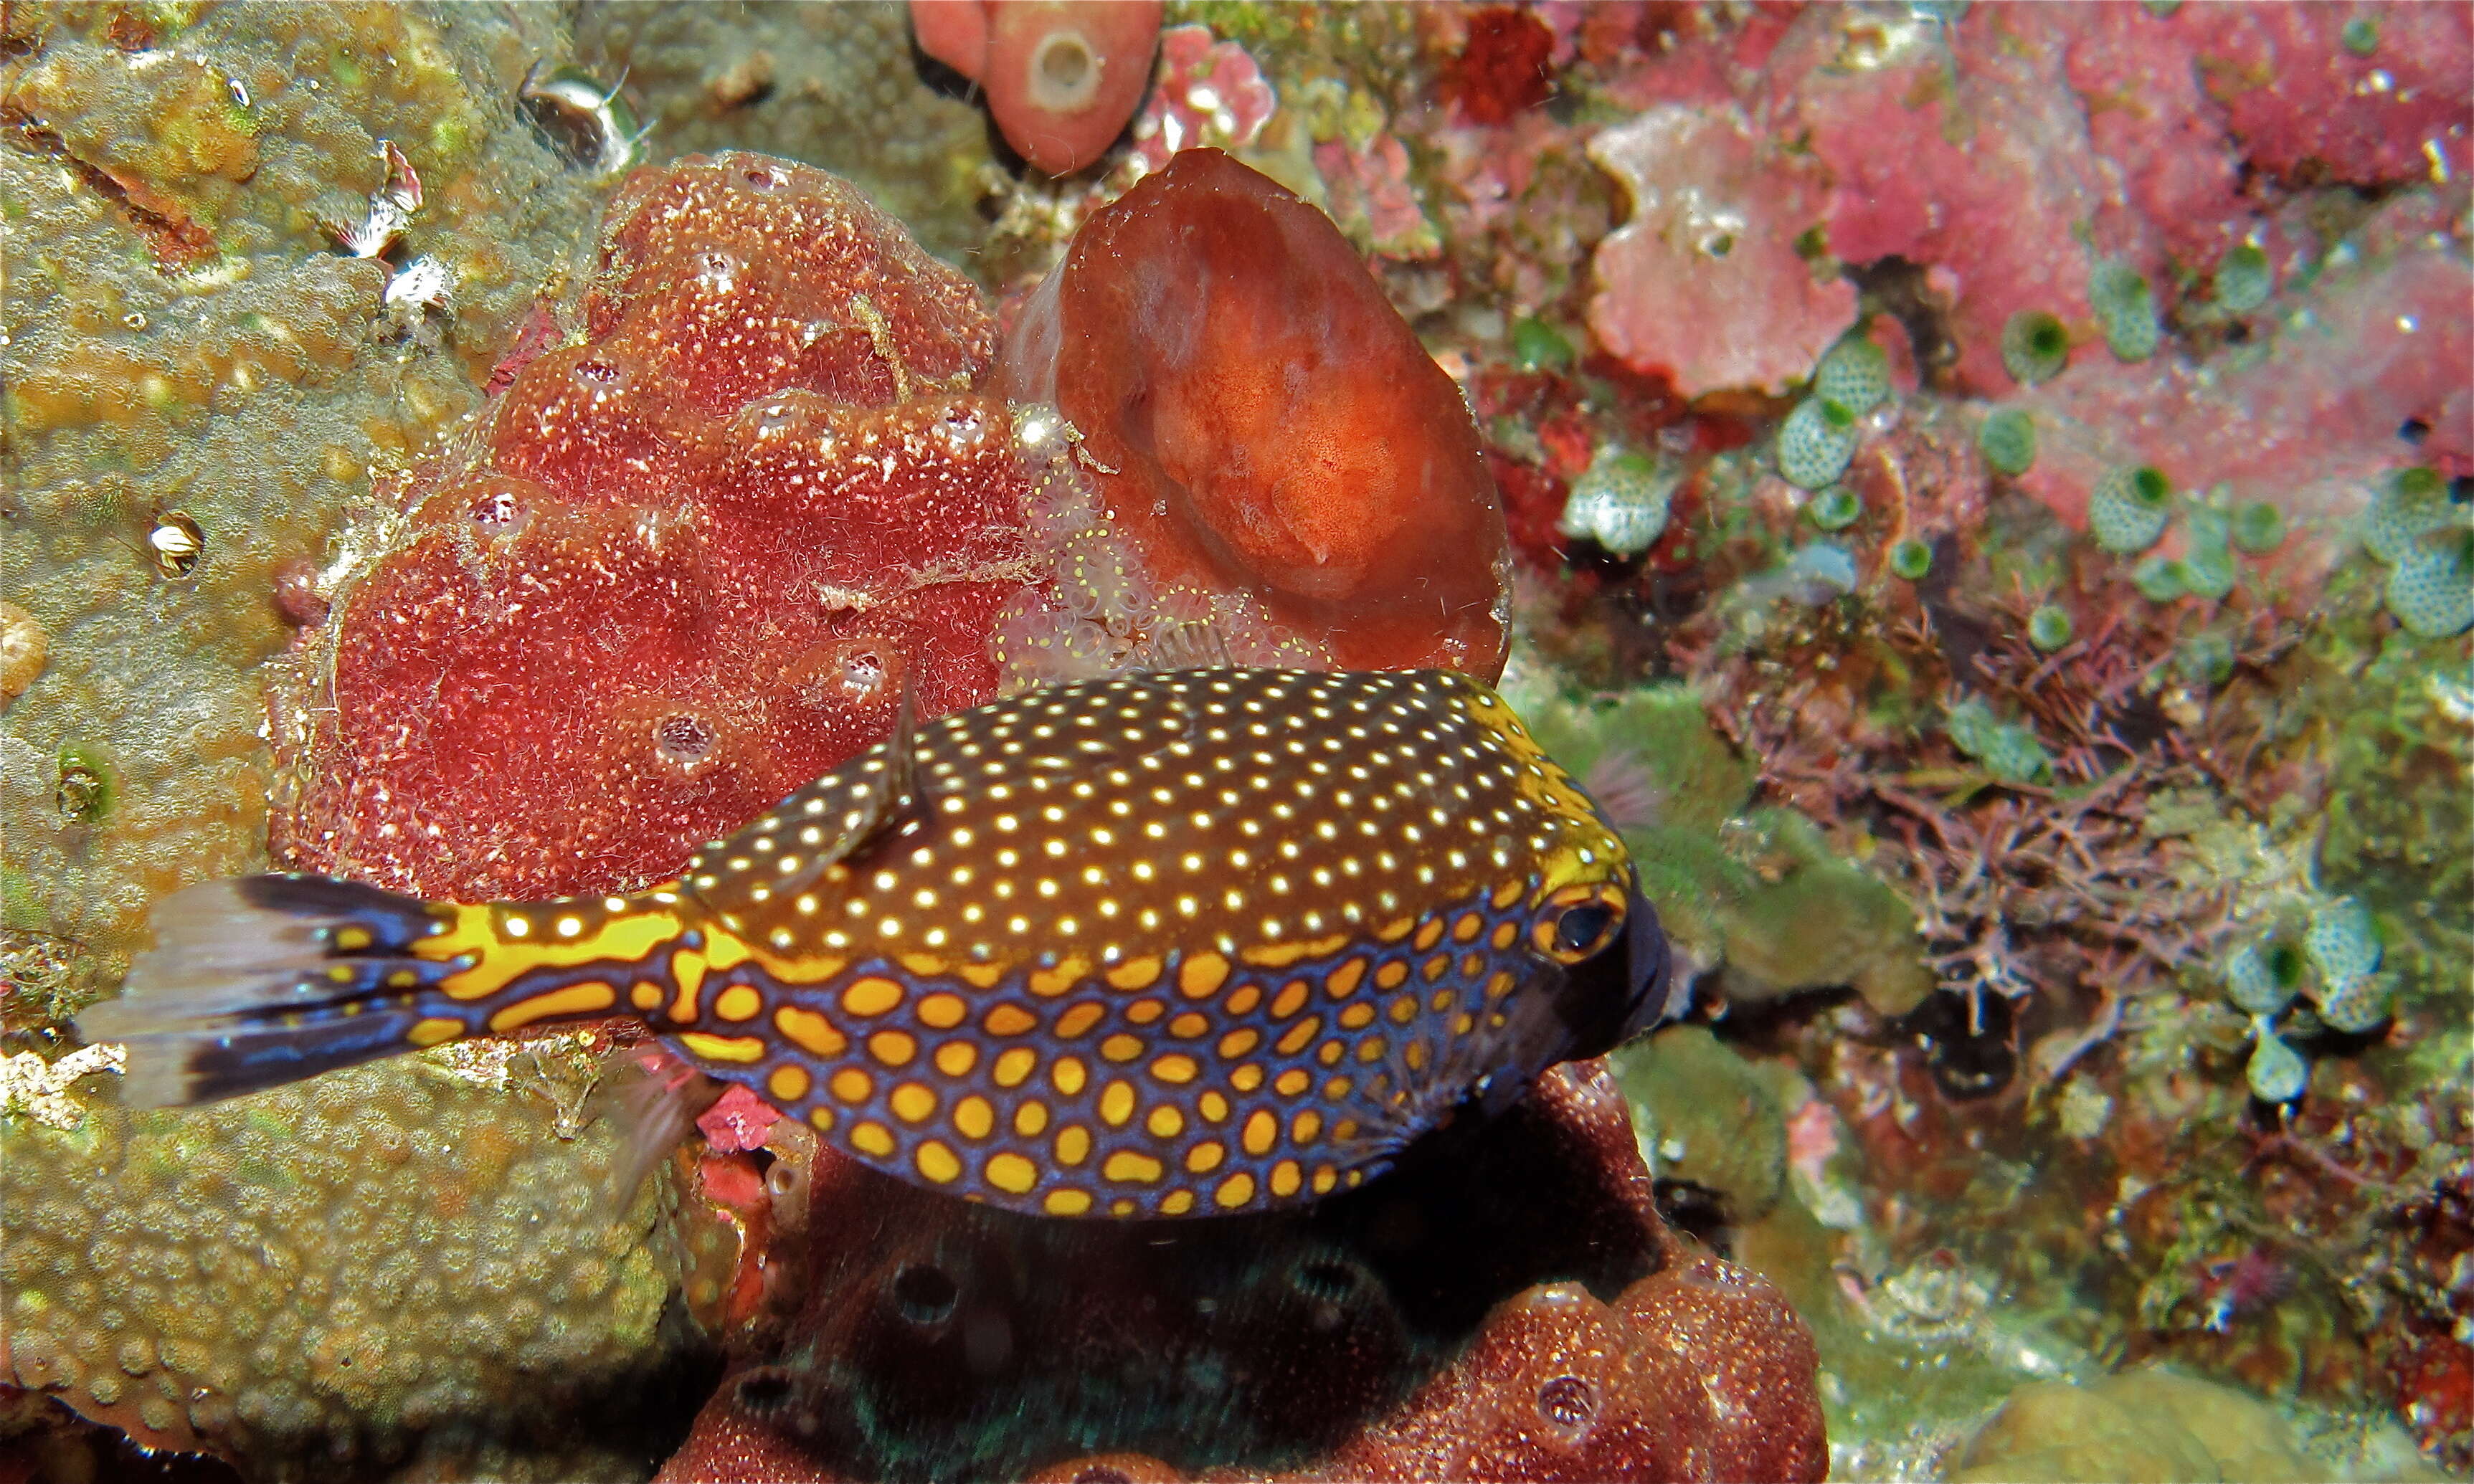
x: 1703, y: 284
x: 1208, y: 93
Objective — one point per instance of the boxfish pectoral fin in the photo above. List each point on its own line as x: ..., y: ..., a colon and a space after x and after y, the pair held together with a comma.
x: 257, y: 981
x: 887, y: 795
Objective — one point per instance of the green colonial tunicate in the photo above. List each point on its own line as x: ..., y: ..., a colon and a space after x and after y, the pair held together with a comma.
x: 2049, y: 627
x: 1855, y: 375
x: 2207, y: 559
x: 2126, y: 310
x: 1911, y: 559
x: 2009, y: 750
x: 2414, y: 502
x: 2244, y: 277
x: 2158, y: 579
x: 1538, y: 346
x: 2276, y: 1072
x: 1835, y: 508
x: 2259, y: 527
x: 2361, y: 35
x: 2262, y: 977
x: 2129, y: 509
x: 2344, y: 942
x: 2008, y: 439
x: 1816, y: 441
x: 2034, y: 346
x: 2430, y: 592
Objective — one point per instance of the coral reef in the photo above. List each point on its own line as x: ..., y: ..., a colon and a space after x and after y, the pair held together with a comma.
x: 183, y: 339
x: 615, y: 608
x: 418, y: 1267
x: 1062, y: 77
x: 1263, y: 441
x: 1507, y: 1306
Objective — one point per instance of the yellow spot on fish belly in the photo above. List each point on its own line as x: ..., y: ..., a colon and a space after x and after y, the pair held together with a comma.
x: 1204, y: 1158
x: 893, y: 1048
x: 1009, y: 1020
x: 352, y: 940
x: 787, y: 1084
x: 937, y: 1162
x: 723, y: 1048
x: 1176, y: 1203
x: 1134, y: 974
x: 1200, y: 975
x: 872, y: 1139
x: 974, y: 1118
x: 738, y: 1003
x: 1077, y: 1019
x: 1014, y: 1066
x: 644, y: 995
x: 1073, y: 1144
x: 1286, y: 1178
x: 1117, y: 1104
x: 1122, y: 1047
x: 1176, y: 1068
x: 1067, y: 1202
x: 1058, y: 980
x: 852, y: 1086
x: 1069, y: 1075
x: 1166, y: 1121
x: 911, y: 1103
x: 1261, y: 1129
x: 1126, y: 1165
x: 810, y: 1030
x: 687, y: 972
x: 1031, y: 1120
x: 872, y: 995
x: 957, y: 1058
x: 1341, y: 982
x: 433, y: 1031
x: 1010, y: 1173
x: 1235, y: 1191
x: 942, y: 1012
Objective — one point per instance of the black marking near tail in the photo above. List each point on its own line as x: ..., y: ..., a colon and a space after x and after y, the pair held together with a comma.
x: 265, y: 980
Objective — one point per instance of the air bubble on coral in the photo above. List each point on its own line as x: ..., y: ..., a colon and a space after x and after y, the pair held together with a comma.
x: 498, y: 513
x: 684, y: 739
x: 1569, y: 1403
x: 175, y: 544
x: 596, y: 374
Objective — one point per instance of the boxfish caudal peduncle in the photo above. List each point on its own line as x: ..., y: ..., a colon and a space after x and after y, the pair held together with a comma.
x: 1163, y: 943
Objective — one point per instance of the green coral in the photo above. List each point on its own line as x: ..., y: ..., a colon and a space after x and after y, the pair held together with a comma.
x: 2126, y: 310
x: 2008, y: 750
x: 412, y: 1267
x: 2129, y: 509
x: 2008, y: 439
x: 1855, y: 374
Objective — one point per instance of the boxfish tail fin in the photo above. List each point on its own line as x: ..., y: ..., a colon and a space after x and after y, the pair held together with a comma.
x: 256, y: 981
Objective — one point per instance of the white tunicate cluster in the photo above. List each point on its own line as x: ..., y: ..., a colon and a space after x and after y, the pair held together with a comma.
x: 1815, y: 443
x: 2345, y: 946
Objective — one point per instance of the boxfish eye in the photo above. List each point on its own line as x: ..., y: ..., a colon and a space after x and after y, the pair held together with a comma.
x: 1580, y: 929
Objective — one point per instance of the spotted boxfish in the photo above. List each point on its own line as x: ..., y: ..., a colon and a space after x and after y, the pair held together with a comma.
x: 1162, y: 944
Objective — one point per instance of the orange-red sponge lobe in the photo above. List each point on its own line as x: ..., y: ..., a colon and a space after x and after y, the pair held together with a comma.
x: 678, y: 569
x: 1259, y: 420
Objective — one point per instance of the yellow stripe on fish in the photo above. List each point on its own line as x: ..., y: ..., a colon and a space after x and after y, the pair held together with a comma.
x: 1158, y: 945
